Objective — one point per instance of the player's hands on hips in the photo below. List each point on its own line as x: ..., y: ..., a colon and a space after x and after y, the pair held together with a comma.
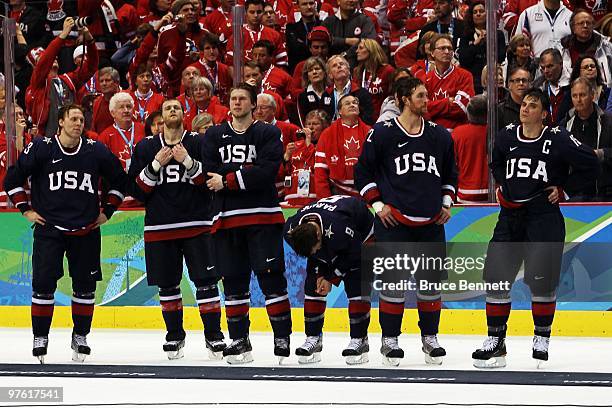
x: 386, y: 217
x: 101, y: 219
x: 323, y: 286
x: 445, y: 215
x: 179, y: 153
x: 555, y: 195
x: 34, y: 217
x: 164, y: 155
x: 215, y: 182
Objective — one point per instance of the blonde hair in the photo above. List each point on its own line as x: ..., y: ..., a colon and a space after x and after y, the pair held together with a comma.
x: 331, y: 60
x: 311, y: 62
x: 200, y: 120
x: 519, y: 39
x: 376, y: 57
x: 604, y: 26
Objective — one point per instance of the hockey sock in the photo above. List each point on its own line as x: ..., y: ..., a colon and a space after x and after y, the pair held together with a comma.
x: 82, y: 311
x: 429, y: 316
x: 42, y: 313
x: 237, y: 312
x: 359, y: 316
x: 391, y: 311
x: 543, y: 314
x: 279, y: 313
x: 314, y: 314
x: 172, y: 312
x: 209, y: 303
x: 498, y: 312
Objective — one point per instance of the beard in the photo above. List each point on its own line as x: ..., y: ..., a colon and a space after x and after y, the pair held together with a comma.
x: 173, y: 123
x: 242, y: 115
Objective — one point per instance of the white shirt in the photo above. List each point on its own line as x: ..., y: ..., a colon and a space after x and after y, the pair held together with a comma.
x: 545, y: 31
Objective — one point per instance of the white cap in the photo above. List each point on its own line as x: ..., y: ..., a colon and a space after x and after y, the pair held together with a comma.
x: 78, y: 51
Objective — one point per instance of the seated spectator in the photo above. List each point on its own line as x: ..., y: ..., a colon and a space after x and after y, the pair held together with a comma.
x: 319, y: 42
x: 274, y: 78
x: 472, y: 46
x: 219, y: 74
x: 546, y: 23
x: 444, y: 23
x: 252, y: 75
x: 426, y: 63
x: 372, y: 72
x: 204, y: 101
x: 314, y: 81
x: 154, y: 125
x: 604, y: 26
x: 593, y: 127
x: 585, y: 41
x: 202, y: 122
x: 552, y: 83
x: 338, y: 150
x: 470, y: 142
x: 519, y: 81
x: 109, y: 85
x: 146, y: 100
x: 449, y: 87
x: 389, y: 109
x: 519, y: 55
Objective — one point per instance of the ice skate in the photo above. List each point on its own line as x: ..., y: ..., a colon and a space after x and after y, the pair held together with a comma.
x: 239, y: 352
x: 174, y: 349
x: 492, y: 354
x: 540, y: 350
x: 215, y: 348
x: 391, y: 351
x: 434, y: 353
x: 39, y: 350
x: 80, y: 349
x: 310, y: 351
x: 357, y: 351
x: 281, y: 348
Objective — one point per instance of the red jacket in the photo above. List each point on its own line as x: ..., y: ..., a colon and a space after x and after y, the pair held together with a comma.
x: 377, y: 85
x: 277, y: 80
x: 215, y: 109
x: 302, y: 159
x: 101, y: 118
x: 220, y: 77
x: 220, y: 23
x: 37, y: 94
x: 288, y: 134
x: 4, y: 165
x: 471, y: 155
x: 338, y: 150
x: 250, y: 37
x: 146, y: 105
x: 406, y: 17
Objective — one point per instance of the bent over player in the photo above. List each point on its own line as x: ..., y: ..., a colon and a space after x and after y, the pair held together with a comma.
x: 65, y: 171
x: 330, y: 233
x: 169, y: 181
x: 407, y: 173
x: 531, y: 162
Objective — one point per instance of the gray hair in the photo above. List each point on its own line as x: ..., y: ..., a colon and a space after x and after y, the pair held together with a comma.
x: 118, y: 98
x: 268, y: 98
x: 477, y: 110
x: 586, y: 82
x: 114, y: 74
x: 200, y: 120
x: 201, y: 81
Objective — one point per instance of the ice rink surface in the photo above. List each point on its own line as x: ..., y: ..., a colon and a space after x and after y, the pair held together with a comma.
x: 413, y: 384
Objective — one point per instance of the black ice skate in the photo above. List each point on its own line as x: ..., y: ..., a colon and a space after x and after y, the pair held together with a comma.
x: 80, y: 349
x: 39, y: 350
x: 281, y: 348
x: 492, y: 354
x: 215, y: 348
x: 310, y: 351
x: 391, y: 351
x: 239, y: 352
x: 540, y: 349
x: 174, y: 349
x: 434, y: 353
x: 357, y: 351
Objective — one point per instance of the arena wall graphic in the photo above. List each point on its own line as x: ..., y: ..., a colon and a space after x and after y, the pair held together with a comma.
x: 585, y: 293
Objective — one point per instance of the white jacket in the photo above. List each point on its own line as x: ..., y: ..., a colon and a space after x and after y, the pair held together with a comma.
x: 545, y: 32
x: 603, y: 55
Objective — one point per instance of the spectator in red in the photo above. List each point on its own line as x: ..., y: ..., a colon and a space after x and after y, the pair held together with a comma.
x: 219, y: 21
x: 314, y: 79
x: 154, y: 125
x: 274, y: 78
x: 372, y: 72
x: 319, y: 42
x: 204, y: 101
x: 270, y: 19
x: 426, y: 64
x: 252, y: 75
x: 300, y: 160
x: 109, y: 85
x: 450, y: 87
x: 49, y: 91
x: 188, y: 75
x: 254, y: 31
x: 22, y: 138
x: 406, y: 17
x: 219, y: 74
x: 470, y: 141
x: 145, y: 99
x: 154, y: 11
x: 338, y: 150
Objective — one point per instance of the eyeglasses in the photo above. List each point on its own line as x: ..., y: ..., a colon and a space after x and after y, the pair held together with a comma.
x: 590, y: 66
x: 445, y: 49
x: 519, y: 81
x: 263, y: 107
x: 583, y: 24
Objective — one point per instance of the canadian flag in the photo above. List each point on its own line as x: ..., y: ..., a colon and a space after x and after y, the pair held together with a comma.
x: 55, y: 10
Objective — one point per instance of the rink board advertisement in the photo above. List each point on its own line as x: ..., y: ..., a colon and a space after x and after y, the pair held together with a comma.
x: 585, y: 284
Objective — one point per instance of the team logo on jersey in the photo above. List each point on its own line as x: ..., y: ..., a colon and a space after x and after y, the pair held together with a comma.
x: 523, y: 168
x: 55, y: 10
x: 539, y: 17
x: 416, y: 162
x: 70, y: 180
x: 238, y: 153
x: 357, y: 30
x: 440, y: 94
x: 352, y: 150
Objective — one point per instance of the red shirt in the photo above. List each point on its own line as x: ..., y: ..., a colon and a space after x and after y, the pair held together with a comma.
x: 250, y: 37
x: 277, y: 80
x: 145, y: 105
x: 215, y: 109
x: 220, y: 23
x: 302, y: 159
x: 377, y: 85
x: 470, y: 143
x: 219, y: 77
x: 101, y: 115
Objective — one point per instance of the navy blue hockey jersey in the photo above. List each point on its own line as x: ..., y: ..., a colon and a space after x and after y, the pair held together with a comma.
x: 409, y: 172
x: 346, y: 223
x: 176, y: 201
x: 249, y: 162
x: 64, y: 184
x: 525, y: 167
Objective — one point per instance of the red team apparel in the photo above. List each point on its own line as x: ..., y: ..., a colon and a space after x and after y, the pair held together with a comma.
x: 215, y: 109
x: 471, y: 153
x: 220, y: 23
x: 377, y: 85
x: 250, y: 37
x: 338, y: 150
x: 277, y: 80
x: 219, y: 76
x: 144, y: 105
x: 301, y: 170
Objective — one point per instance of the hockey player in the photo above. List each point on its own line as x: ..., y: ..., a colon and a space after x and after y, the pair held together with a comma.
x: 330, y: 233
x: 241, y: 159
x: 531, y: 163
x: 407, y: 173
x: 64, y: 172
x: 169, y: 181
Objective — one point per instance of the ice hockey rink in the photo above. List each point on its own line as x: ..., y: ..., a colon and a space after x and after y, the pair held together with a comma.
x: 129, y: 368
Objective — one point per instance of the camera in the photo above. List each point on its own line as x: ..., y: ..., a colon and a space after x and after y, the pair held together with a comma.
x: 81, y: 22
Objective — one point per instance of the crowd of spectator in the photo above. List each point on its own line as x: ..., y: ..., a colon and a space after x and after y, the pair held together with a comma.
x: 121, y: 59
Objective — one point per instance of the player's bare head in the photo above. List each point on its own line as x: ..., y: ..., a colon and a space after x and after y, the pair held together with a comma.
x: 172, y: 113
x: 243, y: 100
x: 535, y: 107
x: 71, y: 120
x: 348, y: 107
x: 410, y: 93
x: 305, y: 239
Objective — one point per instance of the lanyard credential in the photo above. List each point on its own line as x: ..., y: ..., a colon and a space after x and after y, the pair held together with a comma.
x: 130, y: 143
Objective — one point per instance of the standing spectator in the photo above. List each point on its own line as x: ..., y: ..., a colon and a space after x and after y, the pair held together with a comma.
x: 551, y: 65
x: 31, y: 22
x: 252, y: 75
x: 296, y: 34
x: 585, y: 41
x: 188, y: 75
x: 314, y: 77
x: 22, y: 139
x: 219, y: 21
x: 472, y: 46
x: 444, y: 23
x: 109, y: 85
x: 319, y: 42
x: 347, y: 27
x: 512, y: 9
x: 157, y: 9
x: 470, y: 142
x: 450, y: 87
x: 427, y: 62
x: 146, y: 100
x: 593, y: 127
x: 154, y: 125
x: 219, y: 74
x: 519, y: 81
x: 204, y: 101
x: 406, y: 17
x: 519, y: 55
x: 546, y: 23
x: 338, y: 149
x: 274, y: 79
x: 372, y: 72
